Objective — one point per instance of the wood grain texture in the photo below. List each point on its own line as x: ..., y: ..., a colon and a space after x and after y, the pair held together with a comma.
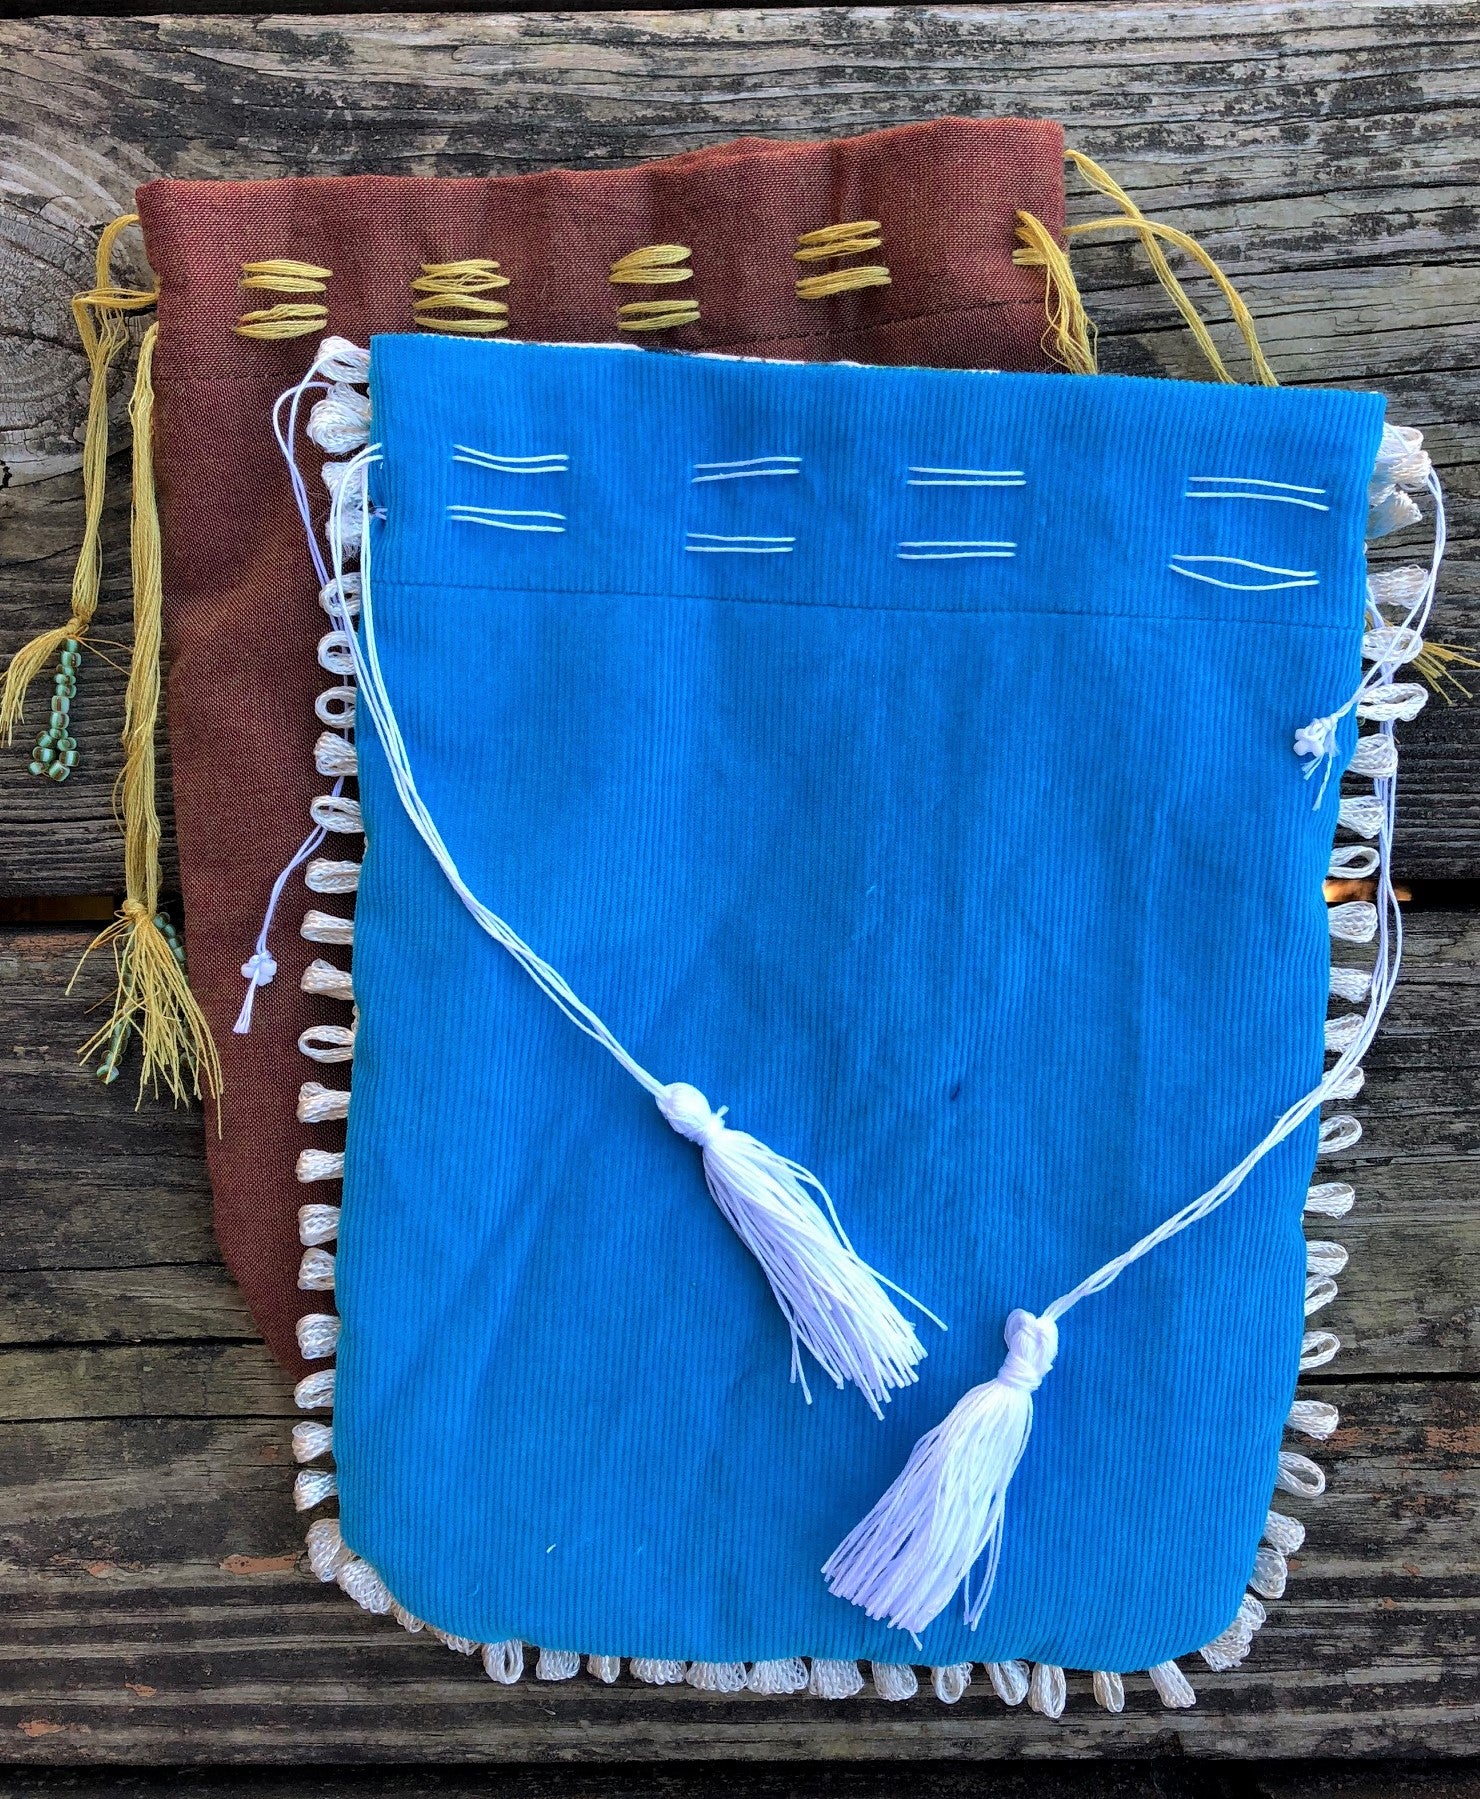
x: 149, y: 1555
x: 1325, y: 154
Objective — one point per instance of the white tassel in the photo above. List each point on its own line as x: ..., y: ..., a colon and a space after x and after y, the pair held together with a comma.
x: 944, y: 1513
x: 894, y: 1681
x: 785, y: 1676
x: 833, y: 1302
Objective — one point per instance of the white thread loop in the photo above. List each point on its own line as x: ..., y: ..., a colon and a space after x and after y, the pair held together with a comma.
x: 1330, y: 1199
x: 1109, y: 1690
x: 1353, y: 922
x: 316, y: 1271
x: 325, y: 876
x: 1388, y: 700
x: 1009, y: 1681
x: 1284, y: 1533
x: 944, y: 1512
x: 1046, y: 1690
x: 834, y: 1680
x: 893, y: 1681
x: 1299, y: 1475
x: 503, y: 1663
x: 311, y: 1439
x: 1172, y: 1686
x: 1364, y: 815
x: 335, y: 755
x: 322, y: 1105
x: 318, y: 1338
x: 323, y: 977
x: 326, y: 927
x: 950, y: 1683
x: 1317, y: 1348
x: 318, y: 1224
x: 833, y: 1302
x: 320, y: 1165
x: 776, y: 1677
x: 605, y: 1668
x: 328, y: 1043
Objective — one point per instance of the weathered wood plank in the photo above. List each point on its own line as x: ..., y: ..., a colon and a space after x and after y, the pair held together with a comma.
x: 1323, y: 153
x: 158, y: 1615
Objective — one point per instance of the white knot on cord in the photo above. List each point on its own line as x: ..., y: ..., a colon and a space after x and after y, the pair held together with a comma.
x: 1032, y: 1344
x: 1315, y: 739
x: 260, y: 968
x: 905, y: 1562
x: 834, y: 1304
x: 687, y: 1110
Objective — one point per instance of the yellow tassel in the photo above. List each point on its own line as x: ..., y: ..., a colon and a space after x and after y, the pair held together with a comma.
x: 1070, y: 337
x: 1434, y: 665
x: 100, y: 315
x: 1149, y: 231
x: 152, y: 998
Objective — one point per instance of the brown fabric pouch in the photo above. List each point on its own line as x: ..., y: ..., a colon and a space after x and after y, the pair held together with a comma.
x: 241, y: 611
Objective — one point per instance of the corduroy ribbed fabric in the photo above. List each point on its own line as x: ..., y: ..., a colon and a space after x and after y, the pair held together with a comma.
x: 990, y: 888
x: 241, y: 618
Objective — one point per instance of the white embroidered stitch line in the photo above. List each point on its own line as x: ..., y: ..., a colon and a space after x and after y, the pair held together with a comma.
x: 557, y: 463
x: 1228, y: 487
x: 965, y: 477
x: 1297, y: 577
x: 945, y: 549
x: 504, y: 518
x: 748, y: 468
x: 712, y: 543
x: 835, y: 1305
x: 942, y: 1518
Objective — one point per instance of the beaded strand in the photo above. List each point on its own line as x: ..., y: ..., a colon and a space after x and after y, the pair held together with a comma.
x: 54, y: 753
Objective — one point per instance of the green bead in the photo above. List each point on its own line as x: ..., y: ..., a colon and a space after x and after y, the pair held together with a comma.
x: 37, y: 768
x: 67, y: 685
x: 45, y: 753
x: 69, y: 759
x: 70, y: 646
x: 61, y: 705
x: 64, y: 742
x: 57, y: 772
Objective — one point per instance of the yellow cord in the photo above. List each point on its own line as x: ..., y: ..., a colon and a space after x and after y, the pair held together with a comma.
x: 1066, y: 341
x: 1070, y: 337
x: 654, y: 265
x: 100, y: 315
x: 851, y: 238
x: 295, y: 318
x: 1149, y: 231
x: 152, y: 997
x: 459, y: 288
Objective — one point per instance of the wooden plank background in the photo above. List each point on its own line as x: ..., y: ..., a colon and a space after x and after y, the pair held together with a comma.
x: 156, y: 1608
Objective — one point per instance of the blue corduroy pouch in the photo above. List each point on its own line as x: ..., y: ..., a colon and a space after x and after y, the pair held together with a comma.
x: 906, y: 760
